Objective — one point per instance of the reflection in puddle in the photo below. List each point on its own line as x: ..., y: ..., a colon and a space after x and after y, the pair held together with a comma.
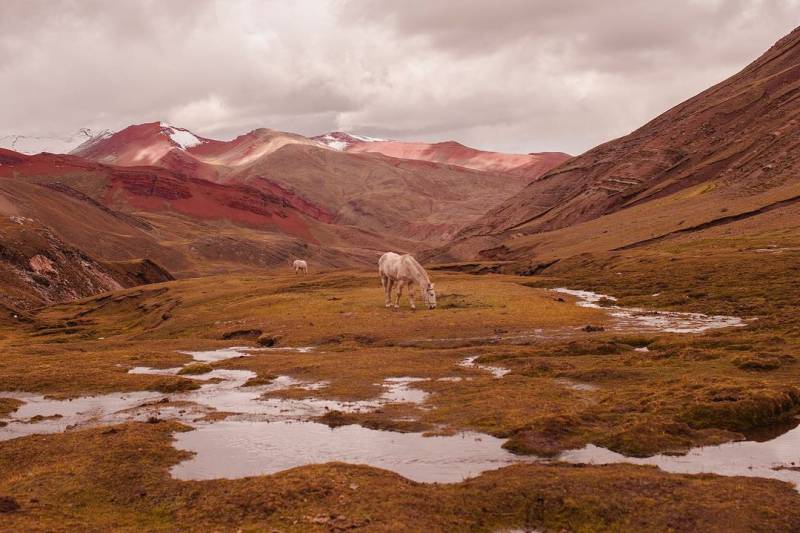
x: 212, y: 356
x: 265, y: 448
x: 265, y: 435
x: 496, y: 371
x: 770, y: 459
x: 40, y: 415
x: 642, y: 319
x: 399, y: 390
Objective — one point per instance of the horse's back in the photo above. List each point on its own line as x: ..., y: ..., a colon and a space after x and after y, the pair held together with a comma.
x: 390, y: 265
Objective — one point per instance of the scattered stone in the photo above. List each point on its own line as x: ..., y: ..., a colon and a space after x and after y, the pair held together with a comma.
x: 267, y: 339
x: 8, y: 504
x: 591, y: 329
x: 153, y: 420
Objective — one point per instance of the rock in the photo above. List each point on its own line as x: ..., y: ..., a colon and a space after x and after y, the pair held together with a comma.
x: 267, y: 339
x: 8, y: 504
x: 591, y: 329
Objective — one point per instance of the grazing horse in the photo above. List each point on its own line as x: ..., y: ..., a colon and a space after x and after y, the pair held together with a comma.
x: 300, y: 266
x: 404, y: 270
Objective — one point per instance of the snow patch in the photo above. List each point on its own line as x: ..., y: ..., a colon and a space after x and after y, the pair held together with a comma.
x: 341, y: 141
x: 183, y: 138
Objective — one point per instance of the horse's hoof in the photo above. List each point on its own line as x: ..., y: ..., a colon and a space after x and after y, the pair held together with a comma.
x: 397, y: 307
x: 388, y: 305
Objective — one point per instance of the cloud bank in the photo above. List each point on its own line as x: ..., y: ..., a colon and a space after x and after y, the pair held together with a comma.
x: 509, y: 75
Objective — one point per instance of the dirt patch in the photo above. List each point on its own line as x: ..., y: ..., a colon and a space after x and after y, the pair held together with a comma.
x: 242, y: 334
x: 8, y: 505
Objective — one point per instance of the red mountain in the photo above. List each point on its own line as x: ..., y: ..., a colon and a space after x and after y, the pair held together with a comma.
x: 726, y: 154
x: 530, y: 166
x: 425, y: 201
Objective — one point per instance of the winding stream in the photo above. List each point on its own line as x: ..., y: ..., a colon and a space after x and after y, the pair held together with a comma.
x: 638, y: 319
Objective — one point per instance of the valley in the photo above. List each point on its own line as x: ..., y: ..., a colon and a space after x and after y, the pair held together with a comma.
x: 613, y: 342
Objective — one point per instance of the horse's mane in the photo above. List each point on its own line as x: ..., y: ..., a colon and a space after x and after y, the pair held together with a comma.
x: 419, y: 272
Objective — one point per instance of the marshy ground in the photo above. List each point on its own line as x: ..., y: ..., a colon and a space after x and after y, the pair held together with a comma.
x: 559, y: 387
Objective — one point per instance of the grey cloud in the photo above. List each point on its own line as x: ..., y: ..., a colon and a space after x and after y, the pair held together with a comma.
x: 513, y: 75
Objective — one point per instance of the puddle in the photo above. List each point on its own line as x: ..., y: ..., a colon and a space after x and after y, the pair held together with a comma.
x: 400, y: 391
x: 212, y: 356
x: 40, y: 415
x: 265, y: 448
x: 629, y: 318
x: 267, y: 435
x: 497, y: 371
x: 778, y: 458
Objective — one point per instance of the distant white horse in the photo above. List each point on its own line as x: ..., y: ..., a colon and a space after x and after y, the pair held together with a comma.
x: 404, y: 270
x: 300, y: 266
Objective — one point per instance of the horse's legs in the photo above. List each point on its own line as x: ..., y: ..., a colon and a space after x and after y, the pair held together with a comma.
x: 411, y: 296
x: 387, y: 290
x: 400, y: 285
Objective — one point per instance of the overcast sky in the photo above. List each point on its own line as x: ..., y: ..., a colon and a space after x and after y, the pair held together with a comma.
x: 509, y: 75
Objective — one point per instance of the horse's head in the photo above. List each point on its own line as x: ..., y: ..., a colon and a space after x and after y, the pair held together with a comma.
x: 430, y: 296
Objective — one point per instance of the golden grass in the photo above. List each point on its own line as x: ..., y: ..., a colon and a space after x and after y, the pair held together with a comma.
x: 686, y: 390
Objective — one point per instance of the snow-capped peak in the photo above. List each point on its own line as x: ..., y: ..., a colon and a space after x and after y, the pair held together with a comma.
x: 183, y: 138
x: 54, y: 144
x: 339, y: 140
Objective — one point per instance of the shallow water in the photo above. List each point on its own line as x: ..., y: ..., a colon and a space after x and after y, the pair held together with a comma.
x: 269, y: 447
x: 399, y: 390
x: 40, y: 415
x: 638, y: 319
x: 497, y: 371
x: 212, y: 356
x: 768, y: 459
x: 267, y: 435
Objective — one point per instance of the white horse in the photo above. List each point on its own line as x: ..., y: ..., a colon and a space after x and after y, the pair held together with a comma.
x: 300, y: 266
x: 404, y: 270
